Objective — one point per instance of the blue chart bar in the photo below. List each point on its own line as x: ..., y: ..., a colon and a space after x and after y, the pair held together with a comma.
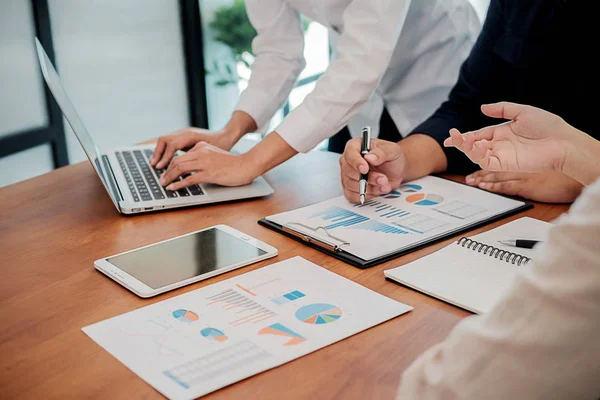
x: 370, y: 203
x: 406, y: 227
x: 340, y: 217
x: 386, y: 210
x: 286, y: 298
x: 395, y: 213
x: 375, y: 226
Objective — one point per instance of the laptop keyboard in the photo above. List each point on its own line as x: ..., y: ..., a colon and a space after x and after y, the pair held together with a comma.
x: 142, y: 179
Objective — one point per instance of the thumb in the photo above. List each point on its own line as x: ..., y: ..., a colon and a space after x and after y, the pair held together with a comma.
x: 382, y: 152
x: 503, y: 109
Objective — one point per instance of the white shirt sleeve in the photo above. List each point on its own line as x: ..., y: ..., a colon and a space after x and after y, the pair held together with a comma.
x: 371, y: 31
x: 542, y: 341
x: 279, y: 51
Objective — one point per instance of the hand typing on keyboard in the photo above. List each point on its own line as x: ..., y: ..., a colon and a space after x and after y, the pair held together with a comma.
x: 208, y: 164
x: 142, y: 179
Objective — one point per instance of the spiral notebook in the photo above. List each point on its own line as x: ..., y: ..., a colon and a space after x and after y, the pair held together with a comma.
x: 473, y: 273
x: 415, y: 215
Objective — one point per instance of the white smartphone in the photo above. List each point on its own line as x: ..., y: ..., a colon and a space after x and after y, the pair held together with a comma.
x: 160, y: 267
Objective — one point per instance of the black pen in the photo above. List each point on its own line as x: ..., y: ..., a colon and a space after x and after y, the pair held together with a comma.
x: 365, y: 148
x: 522, y: 243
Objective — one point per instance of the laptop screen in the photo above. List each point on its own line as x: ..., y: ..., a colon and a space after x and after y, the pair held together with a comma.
x: 53, y: 80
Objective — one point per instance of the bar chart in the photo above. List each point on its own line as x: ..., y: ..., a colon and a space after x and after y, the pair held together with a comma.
x: 375, y: 226
x: 340, y: 217
x: 288, y: 297
x: 384, y: 210
x: 244, y: 309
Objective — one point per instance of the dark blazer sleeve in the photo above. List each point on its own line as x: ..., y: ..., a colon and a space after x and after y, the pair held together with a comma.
x: 480, y: 81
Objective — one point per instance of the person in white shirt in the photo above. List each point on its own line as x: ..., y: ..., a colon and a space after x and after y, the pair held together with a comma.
x: 400, y: 55
x: 541, y: 341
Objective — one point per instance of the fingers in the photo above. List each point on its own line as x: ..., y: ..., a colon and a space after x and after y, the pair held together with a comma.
x: 158, y: 151
x: 455, y: 139
x: 510, y: 188
x: 180, y: 165
x: 510, y: 183
x: 168, y: 145
x: 353, y: 158
x: 477, y: 145
x: 193, y: 179
x: 465, y: 141
x: 503, y: 109
x: 351, y: 177
x: 373, y: 188
x: 382, y: 151
x: 172, y: 145
x: 354, y: 197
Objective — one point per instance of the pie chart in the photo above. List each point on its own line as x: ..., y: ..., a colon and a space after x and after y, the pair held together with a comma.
x: 410, y: 188
x: 394, y: 194
x: 213, y: 334
x: 319, y: 314
x: 421, y: 199
x: 185, y: 315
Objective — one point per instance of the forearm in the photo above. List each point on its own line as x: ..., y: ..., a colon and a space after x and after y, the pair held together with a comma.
x: 424, y: 156
x: 582, y: 158
x: 269, y: 153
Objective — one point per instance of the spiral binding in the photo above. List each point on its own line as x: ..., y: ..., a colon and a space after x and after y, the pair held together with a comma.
x: 505, y: 255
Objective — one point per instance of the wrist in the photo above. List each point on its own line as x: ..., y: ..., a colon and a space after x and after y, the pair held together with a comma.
x: 239, y: 125
x: 267, y: 154
x: 252, y: 164
x: 581, y: 158
x: 424, y: 156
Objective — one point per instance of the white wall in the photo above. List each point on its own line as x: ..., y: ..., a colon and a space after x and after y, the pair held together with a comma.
x: 121, y: 63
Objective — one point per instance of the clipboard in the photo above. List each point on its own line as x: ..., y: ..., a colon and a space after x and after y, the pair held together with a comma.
x: 334, y: 247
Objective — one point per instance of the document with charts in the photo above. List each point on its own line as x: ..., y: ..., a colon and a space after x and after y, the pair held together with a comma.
x: 416, y: 213
x: 198, y: 342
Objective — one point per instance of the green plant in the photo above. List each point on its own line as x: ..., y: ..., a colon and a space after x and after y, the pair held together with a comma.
x: 232, y: 27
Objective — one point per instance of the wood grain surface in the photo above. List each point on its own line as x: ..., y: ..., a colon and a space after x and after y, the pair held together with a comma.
x: 55, y: 226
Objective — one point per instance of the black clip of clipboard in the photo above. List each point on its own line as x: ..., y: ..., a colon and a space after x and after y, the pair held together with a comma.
x: 327, y: 244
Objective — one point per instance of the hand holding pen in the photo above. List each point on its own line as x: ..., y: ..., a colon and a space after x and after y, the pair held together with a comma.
x: 381, y: 169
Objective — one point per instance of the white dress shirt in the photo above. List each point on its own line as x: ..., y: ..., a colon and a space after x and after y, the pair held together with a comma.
x: 542, y: 340
x: 399, y: 53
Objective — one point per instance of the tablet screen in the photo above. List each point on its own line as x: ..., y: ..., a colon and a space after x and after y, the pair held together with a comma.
x: 185, y: 257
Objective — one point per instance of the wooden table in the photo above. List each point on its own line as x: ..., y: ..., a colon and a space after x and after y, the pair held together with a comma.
x: 53, y: 227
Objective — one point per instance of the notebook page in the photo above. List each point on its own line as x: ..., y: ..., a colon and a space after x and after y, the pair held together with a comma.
x: 467, y: 278
x: 522, y: 228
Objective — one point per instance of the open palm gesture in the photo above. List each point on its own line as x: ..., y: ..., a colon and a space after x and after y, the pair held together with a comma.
x: 533, y: 140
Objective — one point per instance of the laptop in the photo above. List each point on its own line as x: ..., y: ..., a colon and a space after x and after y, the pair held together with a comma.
x: 126, y: 173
